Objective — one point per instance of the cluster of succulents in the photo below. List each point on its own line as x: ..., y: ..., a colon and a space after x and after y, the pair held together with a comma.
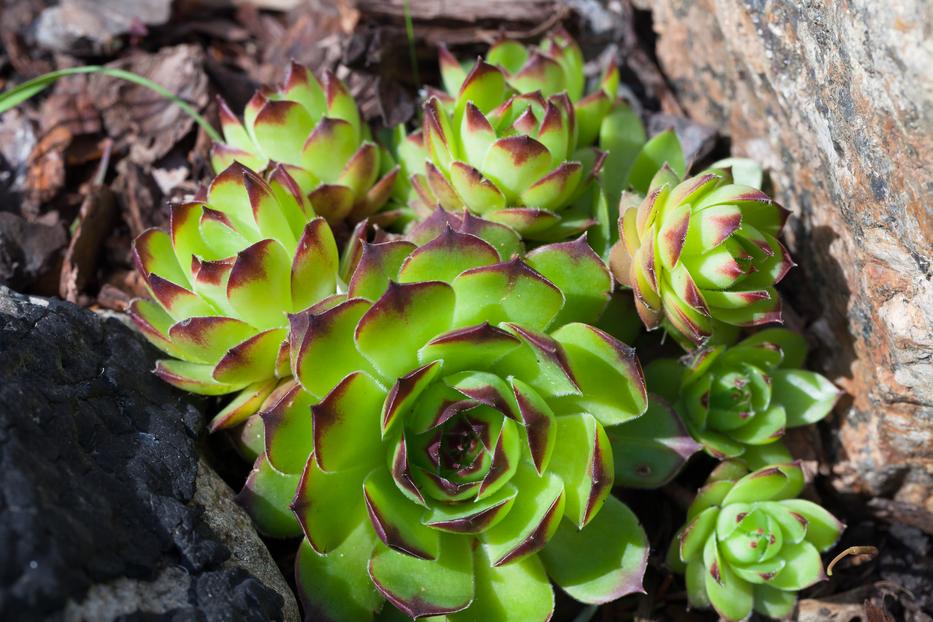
x: 439, y: 405
x: 749, y: 544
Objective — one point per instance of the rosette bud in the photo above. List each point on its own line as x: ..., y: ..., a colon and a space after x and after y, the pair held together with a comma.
x: 700, y: 253
x: 314, y: 130
x: 553, y: 67
x: 749, y: 544
x: 446, y: 448
x: 737, y: 399
x: 223, y: 279
x: 511, y: 159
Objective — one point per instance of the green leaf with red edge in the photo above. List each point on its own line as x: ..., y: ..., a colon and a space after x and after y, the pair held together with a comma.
x: 554, y: 190
x: 472, y: 347
x: 484, y: 86
x: 154, y: 323
x: 601, y: 562
x: 403, y: 319
x: 318, y: 494
x: 252, y: 360
x: 485, y: 388
x: 321, y: 345
x: 421, y: 588
x: 540, y: 361
x: 362, y: 170
x: 539, y: 421
x: 793, y: 346
x: 692, y: 538
x: 446, y: 256
x: 314, y: 266
x: 328, y: 148
x: 477, y: 193
x: 153, y: 254
x: 378, y: 264
x: 532, y: 521
x: 267, y: 495
x: 590, y: 113
x: 405, y: 394
x: 607, y: 372
x: 280, y: 130
x: 581, y: 276
x: 193, y: 377
x: 650, y: 450
x: 208, y: 339
x: 335, y: 587
x: 516, y: 592
x: 514, y: 163
x: 500, y: 293
x: 583, y: 459
x: 504, y: 239
x: 803, y: 567
x: 823, y: 529
x: 243, y: 406
x: 259, y: 286
x: 530, y: 222
x: 288, y: 431
x: 729, y: 595
x: 271, y: 217
x: 396, y: 520
x: 474, y: 517
x: 506, y: 457
x: 346, y: 424
x: 761, y: 485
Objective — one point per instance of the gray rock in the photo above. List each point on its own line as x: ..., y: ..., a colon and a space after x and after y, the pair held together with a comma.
x: 836, y: 100
x: 106, y: 512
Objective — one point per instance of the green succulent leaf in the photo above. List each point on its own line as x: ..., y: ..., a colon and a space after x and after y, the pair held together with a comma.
x: 346, y: 424
x: 532, y: 520
x: 614, y: 547
x: 649, y: 451
x: 318, y: 493
x: 267, y: 495
x: 774, y: 603
x: 421, y: 588
x: 806, y: 396
x: 823, y: 529
x: 581, y: 276
x: 607, y: 372
x: 405, y: 318
x: 335, y: 587
x: 582, y: 458
x: 516, y: 592
x: 664, y: 148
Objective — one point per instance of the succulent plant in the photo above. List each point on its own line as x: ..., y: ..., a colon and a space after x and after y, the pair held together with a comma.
x: 456, y: 453
x: 737, y: 399
x: 553, y: 67
x: 510, y: 159
x: 234, y: 263
x: 701, y: 254
x: 749, y: 544
x: 314, y: 130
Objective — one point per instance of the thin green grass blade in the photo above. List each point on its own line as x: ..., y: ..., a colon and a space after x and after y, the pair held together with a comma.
x: 22, y: 92
x: 410, y: 33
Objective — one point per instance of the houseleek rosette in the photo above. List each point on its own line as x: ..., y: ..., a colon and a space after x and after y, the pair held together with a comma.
x: 223, y: 279
x: 553, y: 67
x: 456, y: 453
x: 749, y: 544
x: 313, y: 128
x: 701, y: 252
x: 736, y: 400
x: 511, y: 158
